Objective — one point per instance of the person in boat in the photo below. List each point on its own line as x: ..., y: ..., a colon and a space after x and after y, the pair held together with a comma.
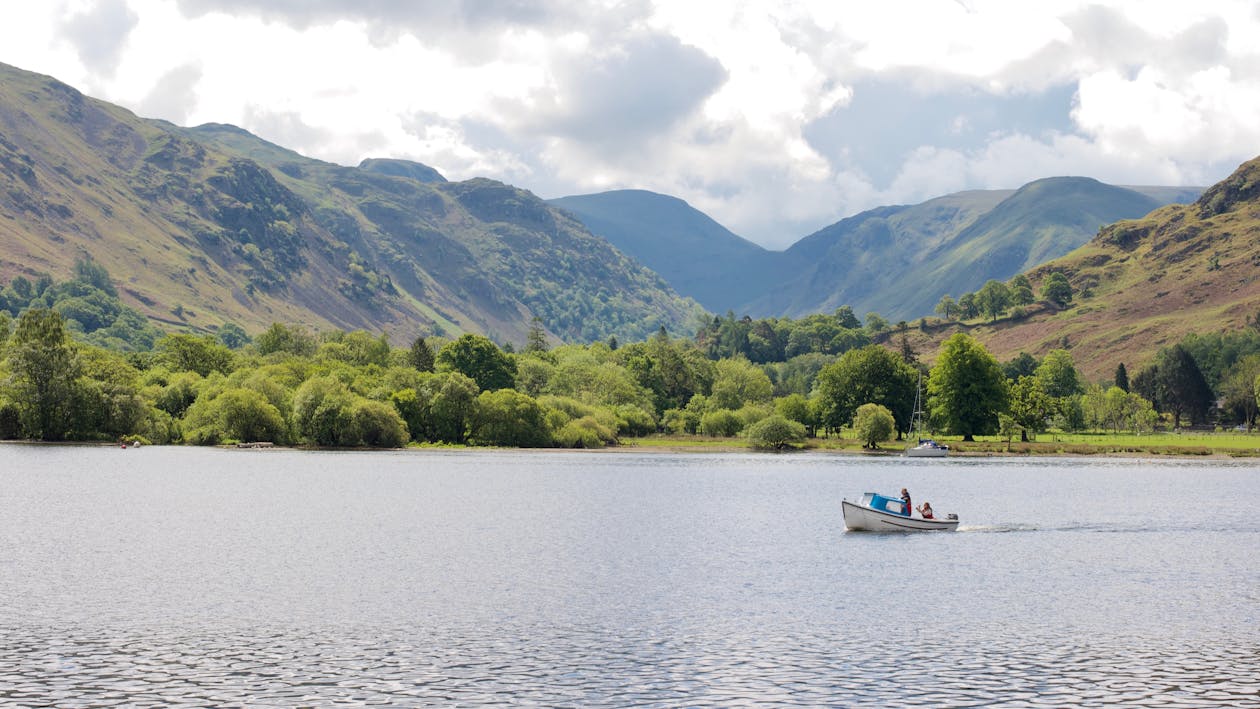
x: 926, y: 510
x: 905, y: 497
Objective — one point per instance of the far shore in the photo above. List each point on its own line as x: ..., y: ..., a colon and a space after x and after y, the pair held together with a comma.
x: 1225, y: 446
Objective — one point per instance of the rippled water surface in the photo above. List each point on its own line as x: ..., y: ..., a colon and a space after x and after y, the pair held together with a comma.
x: 168, y: 576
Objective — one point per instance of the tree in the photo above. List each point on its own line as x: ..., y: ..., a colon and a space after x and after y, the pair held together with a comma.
x: 506, y: 417
x: 189, y: 353
x: 1122, y: 377
x: 1181, y: 385
x: 871, y: 374
x: 43, y: 368
x: 1056, y: 289
x: 1021, y: 290
x: 1031, y: 407
x: 234, y: 414
x: 967, y: 389
x: 774, y: 433
x: 737, y: 382
x: 945, y: 307
x: 293, y: 340
x: 321, y: 412
x: 993, y: 299
x: 875, y: 323
x: 536, y: 340
x: 233, y: 336
x: 1057, y: 373
x: 873, y: 423
x: 378, y: 424
x: 420, y: 355
x: 481, y: 360
x: 1023, y: 365
x: 967, y: 307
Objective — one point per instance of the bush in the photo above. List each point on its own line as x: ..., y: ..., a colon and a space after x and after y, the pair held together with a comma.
x: 634, y: 421
x: 873, y: 423
x: 378, y: 424
x: 775, y: 433
x: 235, y: 414
x: 723, y: 422
x: 585, y: 432
x: 507, y: 417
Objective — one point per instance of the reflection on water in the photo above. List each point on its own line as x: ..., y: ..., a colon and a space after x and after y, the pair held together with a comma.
x: 165, y: 577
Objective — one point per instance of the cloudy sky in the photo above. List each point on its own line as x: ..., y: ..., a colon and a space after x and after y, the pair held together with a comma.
x: 776, y: 118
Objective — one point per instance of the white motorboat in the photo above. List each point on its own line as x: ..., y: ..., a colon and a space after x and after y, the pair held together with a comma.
x: 882, y: 513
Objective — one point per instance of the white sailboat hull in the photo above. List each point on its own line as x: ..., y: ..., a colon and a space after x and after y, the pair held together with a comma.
x: 927, y: 452
x: 865, y: 519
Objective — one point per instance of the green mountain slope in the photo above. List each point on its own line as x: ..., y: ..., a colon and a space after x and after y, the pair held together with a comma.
x: 202, y: 226
x: 699, y: 257
x: 1145, y: 283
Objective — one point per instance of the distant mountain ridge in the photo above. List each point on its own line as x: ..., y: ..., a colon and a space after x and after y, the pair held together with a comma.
x: 1142, y: 284
x: 894, y: 260
x: 207, y: 225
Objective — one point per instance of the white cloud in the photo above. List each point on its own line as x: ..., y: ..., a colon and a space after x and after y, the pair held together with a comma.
x: 775, y: 116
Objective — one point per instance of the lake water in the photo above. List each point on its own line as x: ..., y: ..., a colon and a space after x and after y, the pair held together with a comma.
x: 167, y: 576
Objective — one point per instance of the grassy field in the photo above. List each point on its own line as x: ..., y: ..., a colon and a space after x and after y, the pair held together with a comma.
x: 1230, y: 444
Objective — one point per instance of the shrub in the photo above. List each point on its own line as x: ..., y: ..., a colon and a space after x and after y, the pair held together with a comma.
x: 585, y: 432
x: 723, y: 422
x: 775, y: 433
x: 378, y: 424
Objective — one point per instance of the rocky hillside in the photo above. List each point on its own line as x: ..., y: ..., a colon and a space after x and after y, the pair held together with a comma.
x: 1145, y: 283
x: 208, y: 225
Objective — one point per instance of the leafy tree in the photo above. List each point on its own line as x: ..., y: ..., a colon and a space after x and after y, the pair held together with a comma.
x: 44, y: 369
x: 378, y: 424
x: 721, y: 422
x: 994, y: 299
x: 294, y: 340
x: 968, y: 307
x: 1021, y: 290
x: 1056, y: 289
x: 1057, y: 373
x: 873, y: 423
x: 1237, y: 389
x: 1031, y: 406
x: 872, y: 374
x: 737, y: 382
x: 966, y: 388
x: 1023, y: 365
x: 322, y: 412
x: 234, y: 414
x: 233, y: 336
x: 92, y: 273
x: 506, y: 417
x: 190, y: 353
x: 795, y: 407
x: 946, y: 306
x: 774, y: 433
x: 420, y: 356
x: 875, y: 323
x: 481, y: 360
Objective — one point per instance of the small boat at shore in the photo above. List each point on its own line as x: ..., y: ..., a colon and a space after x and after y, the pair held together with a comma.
x: 927, y: 447
x: 882, y: 513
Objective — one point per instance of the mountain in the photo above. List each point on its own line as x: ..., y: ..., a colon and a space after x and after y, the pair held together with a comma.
x: 1146, y: 283
x: 208, y: 225
x: 895, y: 260
x: 699, y: 257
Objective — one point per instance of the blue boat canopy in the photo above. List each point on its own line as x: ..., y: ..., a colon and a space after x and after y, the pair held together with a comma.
x: 884, y: 503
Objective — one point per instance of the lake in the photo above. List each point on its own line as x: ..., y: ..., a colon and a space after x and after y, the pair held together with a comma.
x: 169, y: 576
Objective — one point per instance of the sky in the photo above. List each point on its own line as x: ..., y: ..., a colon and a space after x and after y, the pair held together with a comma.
x: 775, y: 118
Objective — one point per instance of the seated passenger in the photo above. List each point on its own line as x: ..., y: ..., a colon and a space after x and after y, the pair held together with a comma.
x: 926, y: 510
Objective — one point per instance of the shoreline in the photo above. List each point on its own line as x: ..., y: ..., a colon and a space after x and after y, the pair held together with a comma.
x: 701, y: 446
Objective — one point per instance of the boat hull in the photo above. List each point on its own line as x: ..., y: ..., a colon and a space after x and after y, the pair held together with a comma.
x: 865, y: 519
x: 926, y: 452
